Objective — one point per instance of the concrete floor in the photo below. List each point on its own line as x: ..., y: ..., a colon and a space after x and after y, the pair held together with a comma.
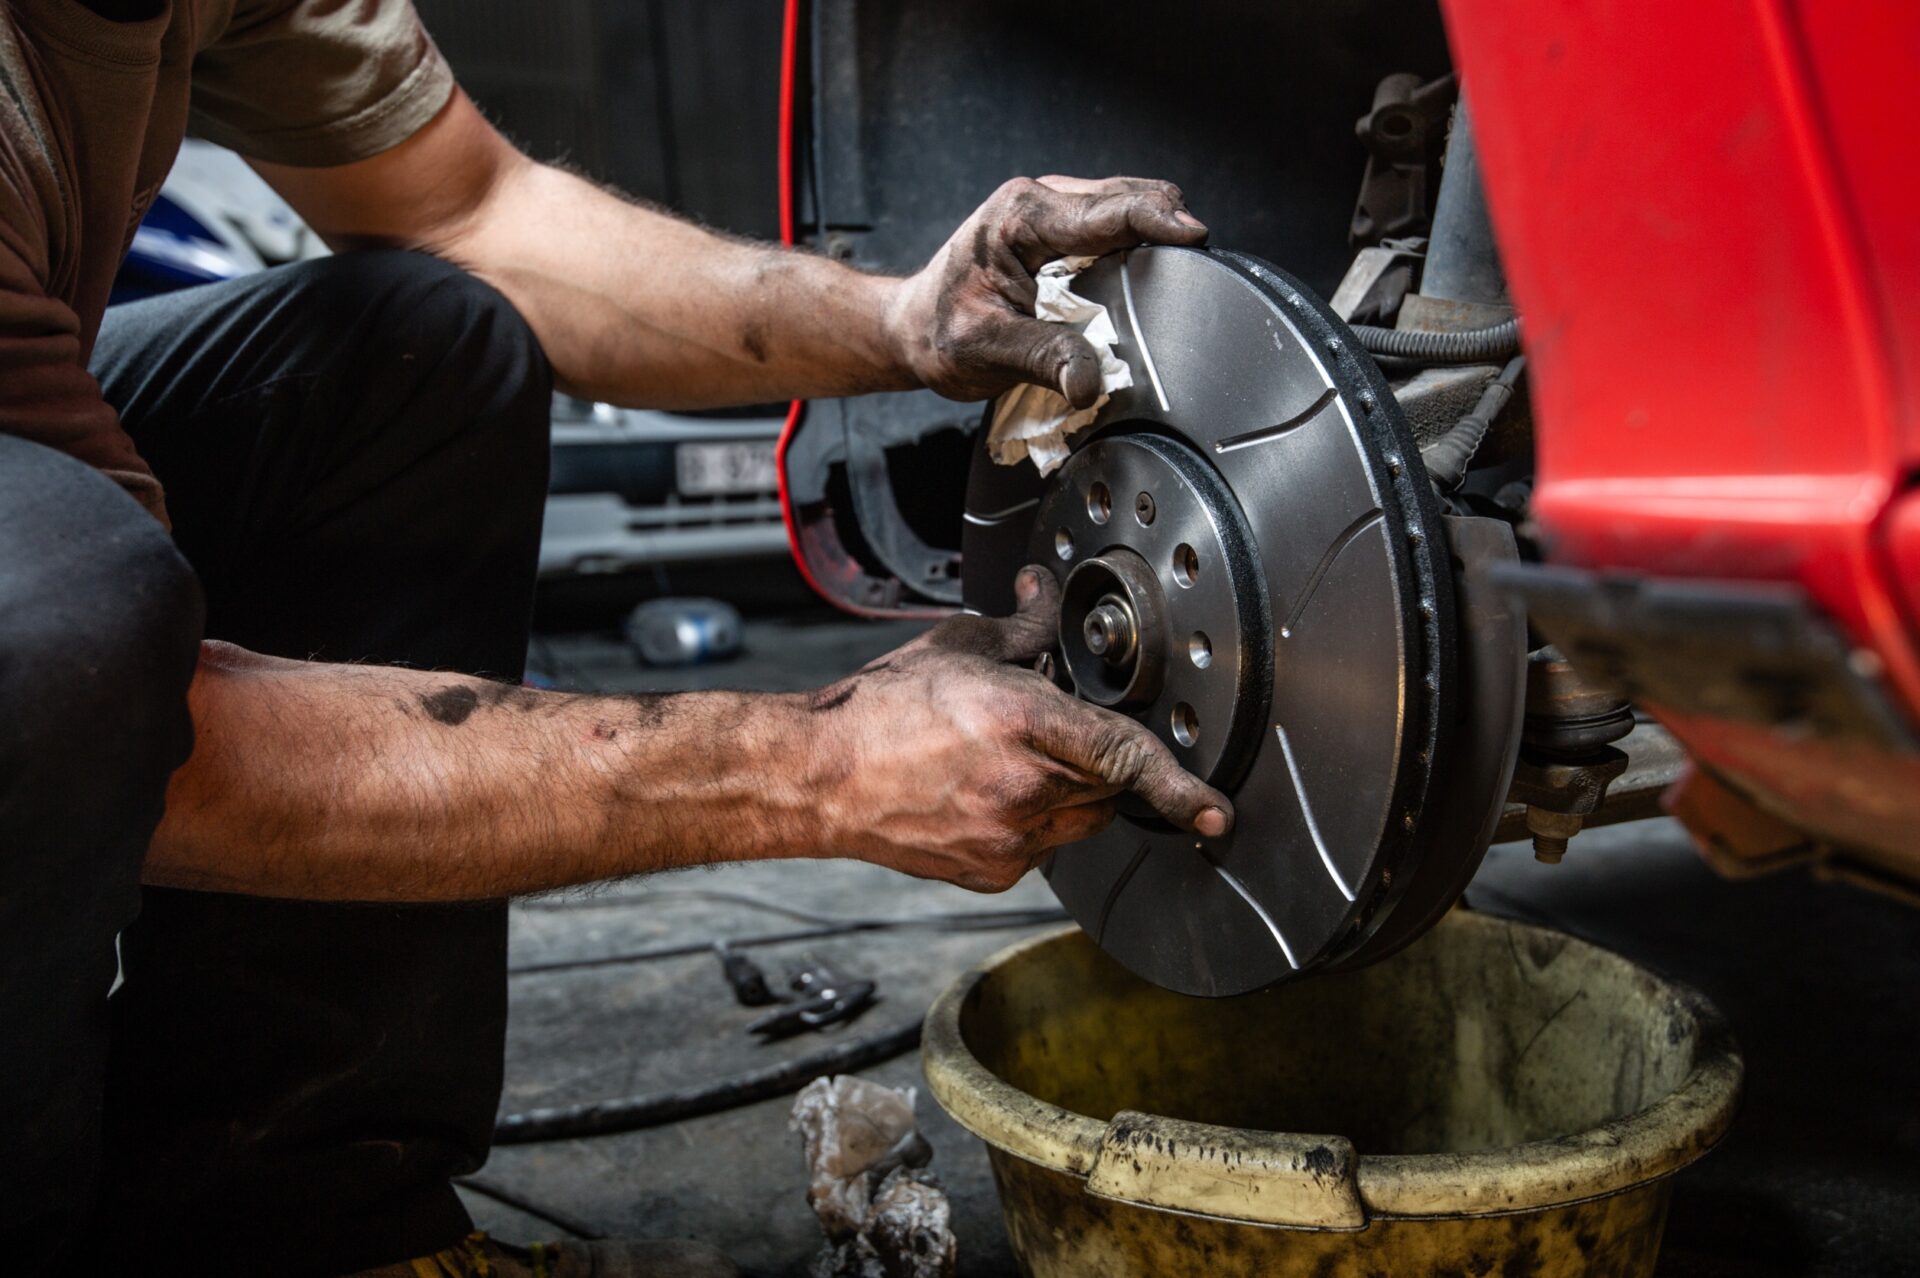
x: 1821, y: 1175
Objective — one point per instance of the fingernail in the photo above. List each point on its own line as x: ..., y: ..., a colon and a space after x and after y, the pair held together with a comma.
x: 1026, y: 583
x: 1185, y: 218
x: 1211, y: 822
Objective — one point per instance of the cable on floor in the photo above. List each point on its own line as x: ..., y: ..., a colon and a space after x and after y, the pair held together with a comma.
x: 975, y: 921
x: 633, y: 1113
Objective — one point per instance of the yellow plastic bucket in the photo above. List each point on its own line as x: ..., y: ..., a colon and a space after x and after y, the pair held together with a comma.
x: 1495, y: 1099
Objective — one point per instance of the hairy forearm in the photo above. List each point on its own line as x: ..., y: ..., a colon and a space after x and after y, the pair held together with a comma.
x: 632, y: 305
x: 637, y: 307
x: 370, y: 783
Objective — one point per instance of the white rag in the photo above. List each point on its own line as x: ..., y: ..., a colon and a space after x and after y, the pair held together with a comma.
x: 1035, y: 421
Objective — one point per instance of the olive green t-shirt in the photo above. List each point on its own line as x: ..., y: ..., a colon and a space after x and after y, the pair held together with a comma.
x: 92, y: 111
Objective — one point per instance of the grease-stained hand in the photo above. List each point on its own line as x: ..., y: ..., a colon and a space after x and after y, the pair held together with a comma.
x: 964, y: 324
x: 950, y: 758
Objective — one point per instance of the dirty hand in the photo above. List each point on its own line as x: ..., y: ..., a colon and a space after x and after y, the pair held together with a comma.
x: 950, y: 758
x: 965, y: 323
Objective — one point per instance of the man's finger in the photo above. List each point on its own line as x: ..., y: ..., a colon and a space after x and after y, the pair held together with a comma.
x: 1056, y: 224
x: 1034, y: 627
x: 1019, y: 639
x: 1126, y: 755
x: 1106, y: 186
x: 1044, y: 353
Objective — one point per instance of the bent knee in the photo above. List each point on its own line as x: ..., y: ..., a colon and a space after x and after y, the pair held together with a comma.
x: 428, y: 321
x: 100, y: 616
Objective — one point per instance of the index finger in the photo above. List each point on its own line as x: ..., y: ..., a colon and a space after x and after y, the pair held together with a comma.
x: 1107, y: 186
x: 1053, y: 222
x: 1126, y: 756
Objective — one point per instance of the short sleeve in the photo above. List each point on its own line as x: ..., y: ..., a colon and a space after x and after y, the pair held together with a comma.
x: 318, y: 82
x: 46, y: 393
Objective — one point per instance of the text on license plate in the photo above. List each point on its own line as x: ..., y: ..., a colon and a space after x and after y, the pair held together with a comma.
x: 738, y: 466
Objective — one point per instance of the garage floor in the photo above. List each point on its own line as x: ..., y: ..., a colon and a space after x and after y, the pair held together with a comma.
x: 1821, y: 1175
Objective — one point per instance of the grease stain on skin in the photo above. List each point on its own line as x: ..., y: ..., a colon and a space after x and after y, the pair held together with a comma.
x: 753, y: 340
x: 451, y: 706
x: 516, y: 697
x: 649, y: 711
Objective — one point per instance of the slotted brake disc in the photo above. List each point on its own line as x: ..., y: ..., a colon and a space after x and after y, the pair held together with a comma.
x: 1252, y: 563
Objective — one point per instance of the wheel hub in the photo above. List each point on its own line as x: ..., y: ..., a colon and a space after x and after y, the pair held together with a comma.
x: 1251, y: 565
x: 1154, y: 618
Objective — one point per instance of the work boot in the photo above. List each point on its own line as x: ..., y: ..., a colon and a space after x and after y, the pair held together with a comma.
x: 478, y: 1256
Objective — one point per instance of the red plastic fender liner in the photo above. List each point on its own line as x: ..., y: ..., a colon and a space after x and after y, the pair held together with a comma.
x: 1718, y: 325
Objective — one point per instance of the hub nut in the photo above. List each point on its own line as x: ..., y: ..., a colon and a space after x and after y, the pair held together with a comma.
x: 1113, y: 629
x: 1110, y: 631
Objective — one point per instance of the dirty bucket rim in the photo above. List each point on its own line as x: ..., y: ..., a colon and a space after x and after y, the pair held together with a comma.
x: 1647, y: 1145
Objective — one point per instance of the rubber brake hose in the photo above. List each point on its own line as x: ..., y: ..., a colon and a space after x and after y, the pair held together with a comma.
x: 1468, y: 346
x: 1447, y: 457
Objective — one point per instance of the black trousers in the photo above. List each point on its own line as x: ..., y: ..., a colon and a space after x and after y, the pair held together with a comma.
x: 355, y: 455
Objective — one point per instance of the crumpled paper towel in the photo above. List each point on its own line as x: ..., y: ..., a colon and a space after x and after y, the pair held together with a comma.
x: 1035, y: 421
x: 883, y: 1219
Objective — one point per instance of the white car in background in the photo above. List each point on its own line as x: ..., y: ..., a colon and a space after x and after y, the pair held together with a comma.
x: 631, y: 489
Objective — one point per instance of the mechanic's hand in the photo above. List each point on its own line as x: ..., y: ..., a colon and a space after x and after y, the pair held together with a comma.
x: 965, y: 322
x: 950, y: 758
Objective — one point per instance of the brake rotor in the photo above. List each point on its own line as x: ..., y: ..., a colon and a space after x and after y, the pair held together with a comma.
x: 1252, y: 563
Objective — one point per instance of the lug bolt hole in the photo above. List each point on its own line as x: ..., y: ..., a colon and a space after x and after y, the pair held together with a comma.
x: 1186, y: 564
x: 1063, y: 544
x: 1186, y: 724
x: 1200, y: 648
x: 1099, y: 503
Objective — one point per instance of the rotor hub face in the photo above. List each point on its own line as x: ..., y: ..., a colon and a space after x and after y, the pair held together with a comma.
x: 1251, y: 564
x: 1158, y: 616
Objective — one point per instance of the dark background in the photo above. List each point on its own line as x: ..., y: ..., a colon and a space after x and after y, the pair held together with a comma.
x: 672, y: 100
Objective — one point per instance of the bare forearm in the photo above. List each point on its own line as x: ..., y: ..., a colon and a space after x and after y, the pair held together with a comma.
x: 369, y: 783
x: 637, y: 307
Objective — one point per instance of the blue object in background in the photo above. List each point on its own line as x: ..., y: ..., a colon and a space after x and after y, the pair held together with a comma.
x: 214, y: 218
x: 173, y: 249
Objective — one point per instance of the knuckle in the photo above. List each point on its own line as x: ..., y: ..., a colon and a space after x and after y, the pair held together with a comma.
x: 1015, y: 192
x: 1150, y: 206
x: 1022, y: 791
x: 1123, y: 752
x: 1044, y: 350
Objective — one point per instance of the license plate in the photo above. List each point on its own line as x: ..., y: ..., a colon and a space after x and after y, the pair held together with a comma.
x: 707, y: 470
